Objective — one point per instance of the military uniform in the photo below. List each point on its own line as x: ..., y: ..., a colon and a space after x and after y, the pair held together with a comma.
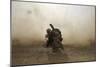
x: 54, y: 38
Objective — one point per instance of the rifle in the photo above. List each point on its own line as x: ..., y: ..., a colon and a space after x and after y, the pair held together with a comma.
x: 52, y: 26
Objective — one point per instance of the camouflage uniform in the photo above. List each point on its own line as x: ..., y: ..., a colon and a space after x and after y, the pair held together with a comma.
x: 49, y: 36
x: 57, y: 39
x: 54, y: 38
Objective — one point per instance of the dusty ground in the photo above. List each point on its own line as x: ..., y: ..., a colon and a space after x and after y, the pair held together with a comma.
x: 23, y: 55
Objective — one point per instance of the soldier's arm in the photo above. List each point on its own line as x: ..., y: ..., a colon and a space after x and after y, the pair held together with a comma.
x: 46, y: 36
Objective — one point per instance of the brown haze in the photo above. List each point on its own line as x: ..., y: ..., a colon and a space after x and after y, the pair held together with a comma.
x: 30, y: 21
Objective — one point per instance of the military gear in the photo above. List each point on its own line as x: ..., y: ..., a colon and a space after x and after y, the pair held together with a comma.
x: 54, y: 38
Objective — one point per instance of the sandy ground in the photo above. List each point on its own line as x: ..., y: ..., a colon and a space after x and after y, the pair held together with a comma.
x: 23, y: 55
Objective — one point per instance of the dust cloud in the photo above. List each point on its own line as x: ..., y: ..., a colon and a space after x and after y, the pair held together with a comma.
x: 30, y: 21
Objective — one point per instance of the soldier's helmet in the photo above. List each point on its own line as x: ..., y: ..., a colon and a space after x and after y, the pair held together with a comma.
x: 48, y: 30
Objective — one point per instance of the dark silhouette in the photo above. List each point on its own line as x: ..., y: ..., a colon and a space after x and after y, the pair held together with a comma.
x: 49, y: 36
x: 54, y: 39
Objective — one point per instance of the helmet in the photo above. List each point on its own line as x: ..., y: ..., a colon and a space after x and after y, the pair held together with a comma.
x: 48, y: 30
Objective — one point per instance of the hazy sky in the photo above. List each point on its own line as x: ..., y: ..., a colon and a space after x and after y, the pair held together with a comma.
x: 30, y: 21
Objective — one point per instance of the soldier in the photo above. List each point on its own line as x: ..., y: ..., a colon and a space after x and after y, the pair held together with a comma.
x: 49, y: 36
x: 54, y: 38
x: 57, y: 39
